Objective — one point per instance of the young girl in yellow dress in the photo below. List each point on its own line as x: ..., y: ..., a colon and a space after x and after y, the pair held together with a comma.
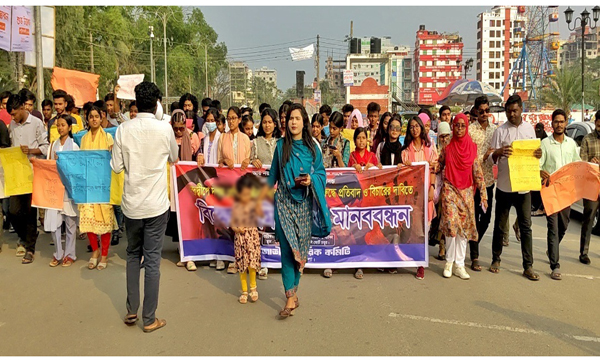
x: 97, y: 219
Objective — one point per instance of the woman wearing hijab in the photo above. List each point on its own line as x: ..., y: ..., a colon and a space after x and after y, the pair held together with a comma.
x: 462, y: 173
x: 297, y: 170
x: 187, y: 140
x: 354, y: 121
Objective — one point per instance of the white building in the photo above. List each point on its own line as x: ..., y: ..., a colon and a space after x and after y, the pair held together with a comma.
x: 266, y: 74
x: 500, y: 35
x: 401, y: 73
x: 241, y: 82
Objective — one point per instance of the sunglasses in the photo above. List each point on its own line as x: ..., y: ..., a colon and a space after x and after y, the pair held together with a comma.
x: 395, y: 128
x: 179, y: 129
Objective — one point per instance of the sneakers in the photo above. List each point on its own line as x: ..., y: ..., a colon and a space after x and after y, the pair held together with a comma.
x: 461, y: 273
x: 220, y: 265
x: 262, y: 274
x: 448, y: 270
x: 115, y: 239
x: 420, y: 273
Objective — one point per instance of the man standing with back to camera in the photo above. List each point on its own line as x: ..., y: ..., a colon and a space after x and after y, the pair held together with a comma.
x: 142, y: 148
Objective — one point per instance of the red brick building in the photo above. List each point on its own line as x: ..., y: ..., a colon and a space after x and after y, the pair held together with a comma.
x: 437, y: 63
x: 369, y: 91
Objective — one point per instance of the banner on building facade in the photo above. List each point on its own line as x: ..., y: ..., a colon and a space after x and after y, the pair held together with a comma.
x: 5, y: 27
x: 348, y: 78
x: 378, y: 217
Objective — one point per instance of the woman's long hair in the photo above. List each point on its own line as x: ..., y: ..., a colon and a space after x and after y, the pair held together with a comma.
x: 408, y: 139
x: 273, y: 114
x: 307, y: 138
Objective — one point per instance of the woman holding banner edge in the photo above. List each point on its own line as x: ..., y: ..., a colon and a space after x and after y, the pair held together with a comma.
x: 298, y: 171
x: 97, y: 219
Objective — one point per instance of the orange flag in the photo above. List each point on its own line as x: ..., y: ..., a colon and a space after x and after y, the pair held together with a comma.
x: 81, y: 85
x: 48, y: 189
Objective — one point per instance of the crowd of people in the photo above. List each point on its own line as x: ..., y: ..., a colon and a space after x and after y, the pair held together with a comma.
x: 461, y: 157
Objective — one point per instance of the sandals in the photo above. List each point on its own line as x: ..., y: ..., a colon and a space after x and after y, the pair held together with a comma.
x: 81, y: 236
x: 158, y: 323
x: 358, y: 274
x: 495, y: 267
x: 530, y: 274
x: 28, y: 258
x: 102, y: 266
x: 20, y: 251
x: 253, y: 295
x: 243, y: 299
x: 287, y: 312
x: 475, y: 265
x: 130, y: 319
x: 67, y: 261
x: 54, y: 262
x: 327, y: 273
x: 92, y: 263
x: 191, y: 266
x: 556, y: 275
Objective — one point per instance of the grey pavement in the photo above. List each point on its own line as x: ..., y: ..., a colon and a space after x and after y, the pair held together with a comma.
x: 76, y: 311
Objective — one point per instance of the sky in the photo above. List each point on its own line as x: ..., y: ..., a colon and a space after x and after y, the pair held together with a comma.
x: 261, y: 35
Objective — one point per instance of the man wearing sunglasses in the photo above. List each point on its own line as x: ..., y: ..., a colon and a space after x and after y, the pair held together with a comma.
x: 481, y: 133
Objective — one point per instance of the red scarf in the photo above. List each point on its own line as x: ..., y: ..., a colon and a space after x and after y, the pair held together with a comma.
x: 460, y: 156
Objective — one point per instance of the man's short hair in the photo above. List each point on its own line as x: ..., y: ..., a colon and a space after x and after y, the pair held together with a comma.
x: 101, y: 105
x: 174, y: 106
x: 559, y: 112
x: 59, y: 93
x: 347, y: 108
x: 109, y: 97
x: 27, y: 95
x: 146, y: 97
x: 216, y: 104
x: 5, y: 94
x: 262, y: 107
x: 325, y: 109
x: 14, y: 102
x: 47, y: 102
x: 479, y: 101
x: 373, y: 107
x: 512, y: 100
x: 444, y: 108
x: 206, y: 102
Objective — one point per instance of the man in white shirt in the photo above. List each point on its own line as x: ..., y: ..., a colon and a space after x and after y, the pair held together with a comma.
x: 28, y: 133
x: 514, y: 129
x: 142, y: 148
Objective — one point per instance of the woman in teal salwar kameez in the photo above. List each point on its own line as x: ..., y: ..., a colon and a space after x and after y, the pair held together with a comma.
x: 297, y: 206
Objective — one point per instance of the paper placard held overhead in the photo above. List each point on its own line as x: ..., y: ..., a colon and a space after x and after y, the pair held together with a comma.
x: 127, y: 85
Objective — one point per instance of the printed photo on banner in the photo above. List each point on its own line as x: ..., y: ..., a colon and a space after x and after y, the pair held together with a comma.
x: 378, y: 217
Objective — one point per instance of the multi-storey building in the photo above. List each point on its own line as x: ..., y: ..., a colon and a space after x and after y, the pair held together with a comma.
x: 401, y: 73
x: 334, y: 74
x: 267, y: 75
x: 436, y: 65
x: 500, y: 35
x: 570, y: 50
x: 241, y: 81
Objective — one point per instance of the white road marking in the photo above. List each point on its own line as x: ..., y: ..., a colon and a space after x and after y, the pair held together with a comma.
x: 492, y: 326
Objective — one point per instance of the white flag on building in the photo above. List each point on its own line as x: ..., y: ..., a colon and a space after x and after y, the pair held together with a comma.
x: 302, y: 53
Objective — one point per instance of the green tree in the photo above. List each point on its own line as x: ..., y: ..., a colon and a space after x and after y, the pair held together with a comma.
x: 563, y: 88
x: 264, y: 92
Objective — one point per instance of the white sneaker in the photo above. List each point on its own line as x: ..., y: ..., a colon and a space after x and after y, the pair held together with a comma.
x: 448, y: 270
x: 461, y: 273
x: 220, y: 265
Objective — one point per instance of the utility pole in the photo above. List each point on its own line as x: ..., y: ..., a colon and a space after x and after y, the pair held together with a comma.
x: 151, y: 31
x: 165, y: 43
x: 317, y: 61
x: 230, y: 91
x: 91, y: 53
x: 206, y: 68
x: 39, y: 59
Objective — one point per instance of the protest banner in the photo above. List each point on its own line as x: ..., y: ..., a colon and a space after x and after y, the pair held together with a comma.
x: 348, y: 78
x: 5, y: 27
x: 81, y: 85
x: 524, y: 167
x: 116, y: 187
x: 18, y: 175
x: 22, y: 24
x: 378, y: 217
x: 127, y: 85
x: 79, y: 135
x: 48, y: 190
x: 302, y: 53
x: 572, y: 182
x: 86, y: 175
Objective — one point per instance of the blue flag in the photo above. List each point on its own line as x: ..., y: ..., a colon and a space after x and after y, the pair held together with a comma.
x: 86, y: 175
x: 79, y: 135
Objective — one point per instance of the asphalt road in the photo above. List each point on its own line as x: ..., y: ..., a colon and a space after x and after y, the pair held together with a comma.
x: 75, y: 311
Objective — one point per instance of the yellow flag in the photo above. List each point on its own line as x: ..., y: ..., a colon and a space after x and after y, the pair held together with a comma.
x: 116, y: 187
x: 18, y: 174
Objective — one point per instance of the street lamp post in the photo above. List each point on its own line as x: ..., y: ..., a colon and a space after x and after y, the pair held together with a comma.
x: 151, y: 33
x: 468, y: 66
x: 583, y: 20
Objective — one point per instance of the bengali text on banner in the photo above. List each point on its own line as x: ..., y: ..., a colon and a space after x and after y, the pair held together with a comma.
x: 86, y: 175
x: 48, y: 190
x: 378, y: 217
